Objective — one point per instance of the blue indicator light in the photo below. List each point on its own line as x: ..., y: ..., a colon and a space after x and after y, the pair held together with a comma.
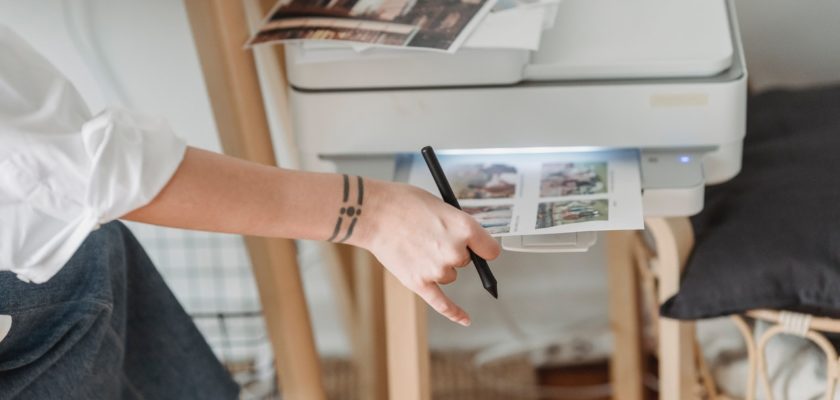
x: 685, y: 159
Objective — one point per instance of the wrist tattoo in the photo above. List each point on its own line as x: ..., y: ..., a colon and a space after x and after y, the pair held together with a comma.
x: 348, y: 211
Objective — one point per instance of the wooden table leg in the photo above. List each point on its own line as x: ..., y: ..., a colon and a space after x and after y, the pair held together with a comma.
x: 219, y: 28
x: 340, y: 264
x: 627, y: 363
x: 408, y: 349
x: 357, y: 282
x: 673, y: 239
x: 371, y: 354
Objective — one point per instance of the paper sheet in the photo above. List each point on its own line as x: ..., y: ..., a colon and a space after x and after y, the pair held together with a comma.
x: 513, y: 24
x: 427, y: 24
x: 549, y: 7
x: 543, y: 193
x: 515, y: 28
x: 509, y: 4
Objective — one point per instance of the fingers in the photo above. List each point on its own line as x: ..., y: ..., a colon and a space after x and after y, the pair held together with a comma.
x: 458, y: 258
x: 435, y: 298
x: 482, y: 243
x: 448, y: 275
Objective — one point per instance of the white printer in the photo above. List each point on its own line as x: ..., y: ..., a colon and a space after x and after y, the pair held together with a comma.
x: 665, y: 78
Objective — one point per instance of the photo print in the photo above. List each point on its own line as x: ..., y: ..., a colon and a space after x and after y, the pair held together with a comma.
x: 495, y: 219
x: 337, y: 29
x: 509, y: 193
x: 558, y: 213
x: 482, y: 181
x: 433, y: 24
x: 573, y: 178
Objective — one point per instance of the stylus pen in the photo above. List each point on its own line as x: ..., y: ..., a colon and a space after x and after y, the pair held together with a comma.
x: 487, y: 278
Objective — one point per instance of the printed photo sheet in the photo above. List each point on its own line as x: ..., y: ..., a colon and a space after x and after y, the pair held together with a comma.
x: 543, y: 193
x: 409, y: 24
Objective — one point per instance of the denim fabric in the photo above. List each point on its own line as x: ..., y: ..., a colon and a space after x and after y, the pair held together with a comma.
x: 105, y: 327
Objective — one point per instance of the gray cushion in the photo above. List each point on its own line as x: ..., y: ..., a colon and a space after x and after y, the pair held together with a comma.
x: 770, y: 237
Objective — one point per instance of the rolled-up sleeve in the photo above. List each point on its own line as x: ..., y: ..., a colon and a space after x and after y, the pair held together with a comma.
x: 131, y: 159
x: 64, y: 172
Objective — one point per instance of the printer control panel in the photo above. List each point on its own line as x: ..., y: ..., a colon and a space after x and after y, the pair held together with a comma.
x: 672, y: 182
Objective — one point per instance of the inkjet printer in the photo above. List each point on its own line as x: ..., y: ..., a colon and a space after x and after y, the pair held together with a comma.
x: 664, y: 78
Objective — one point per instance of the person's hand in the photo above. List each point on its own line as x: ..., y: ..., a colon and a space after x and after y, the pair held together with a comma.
x: 421, y: 240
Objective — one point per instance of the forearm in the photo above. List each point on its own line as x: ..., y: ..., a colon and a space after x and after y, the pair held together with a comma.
x: 213, y: 192
x: 420, y: 239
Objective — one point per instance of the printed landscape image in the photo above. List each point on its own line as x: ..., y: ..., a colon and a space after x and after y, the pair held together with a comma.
x: 569, y: 179
x: 495, y: 219
x: 482, y: 181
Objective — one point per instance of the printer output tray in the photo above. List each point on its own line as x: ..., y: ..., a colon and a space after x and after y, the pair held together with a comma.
x: 671, y: 179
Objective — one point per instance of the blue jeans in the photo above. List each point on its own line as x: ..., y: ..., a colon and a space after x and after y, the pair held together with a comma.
x: 105, y: 327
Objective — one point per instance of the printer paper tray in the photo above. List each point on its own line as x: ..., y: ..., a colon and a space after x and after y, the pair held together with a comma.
x: 672, y: 184
x: 524, y: 192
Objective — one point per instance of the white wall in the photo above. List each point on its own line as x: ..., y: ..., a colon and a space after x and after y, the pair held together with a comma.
x: 791, y: 43
x: 141, y: 56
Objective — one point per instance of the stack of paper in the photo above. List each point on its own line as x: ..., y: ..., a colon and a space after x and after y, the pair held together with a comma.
x: 543, y: 193
x: 443, y: 25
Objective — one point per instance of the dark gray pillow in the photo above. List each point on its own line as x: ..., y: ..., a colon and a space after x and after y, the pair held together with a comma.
x: 770, y: 237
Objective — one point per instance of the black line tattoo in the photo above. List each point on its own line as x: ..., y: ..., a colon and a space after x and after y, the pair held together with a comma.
x: 346, y: 187
x: 352, y: 212
x: 349, y: 231
x: 337, y: 229
x: 361, y: 191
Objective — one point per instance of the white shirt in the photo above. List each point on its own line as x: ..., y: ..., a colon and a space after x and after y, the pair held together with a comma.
x: 63, y: 172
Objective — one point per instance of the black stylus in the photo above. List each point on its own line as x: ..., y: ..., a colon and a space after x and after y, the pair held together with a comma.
x: 487, y: 278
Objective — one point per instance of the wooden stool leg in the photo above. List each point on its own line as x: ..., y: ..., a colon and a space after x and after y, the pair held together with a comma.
x: 286, y: 315
x: 627, y: 364
x: 408, y: 349
x: 219, y: 29
x: 677, y: 375
x: 340, y: 264
x: 371, y: 354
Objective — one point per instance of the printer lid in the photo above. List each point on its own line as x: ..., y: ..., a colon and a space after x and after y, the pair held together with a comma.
x: 613, y: 39
x: 591, y: 39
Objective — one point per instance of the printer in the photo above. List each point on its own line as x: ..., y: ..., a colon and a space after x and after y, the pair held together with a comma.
x: 664, y: 78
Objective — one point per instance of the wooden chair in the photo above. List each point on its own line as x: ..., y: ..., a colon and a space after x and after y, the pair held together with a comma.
x: 806, y: 326
x: 644, y: 271
x: 694, y: 378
